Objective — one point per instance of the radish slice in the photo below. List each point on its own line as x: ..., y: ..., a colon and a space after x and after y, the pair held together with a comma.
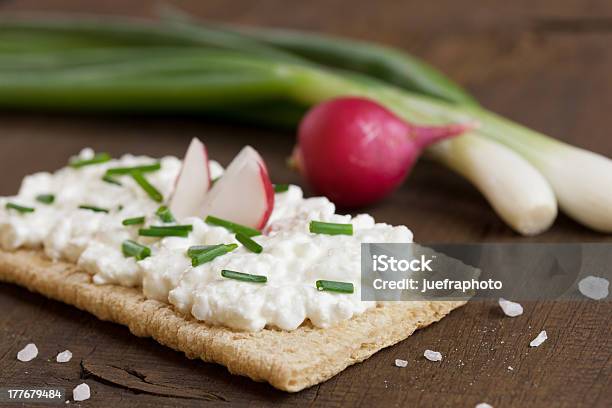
x: 193, y: 182
x: 244, y: 194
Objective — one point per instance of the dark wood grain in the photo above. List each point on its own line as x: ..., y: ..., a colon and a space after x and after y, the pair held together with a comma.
x: 546, y: 64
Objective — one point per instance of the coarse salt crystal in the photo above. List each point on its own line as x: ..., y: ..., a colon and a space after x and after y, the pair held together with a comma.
x: 539, y: 340
x: 510, y: 368
x: 483, y: 405
x: 594, y: 287
x: 64, y: 356
x: 432, y: 355
x: 401, y: 363
x: 511, y: 309
x: 28, y: 353
x: 81, y: 392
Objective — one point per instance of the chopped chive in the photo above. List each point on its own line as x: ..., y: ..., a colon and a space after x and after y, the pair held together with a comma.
x: 97, y: 159
x: 111, y: 180
x: 249, y: 243
x: 187, y: 227
x: 19, y: 208
x: 213, y: 181
x: 93, y: 208
x: 45, y: 198
x: 162, y: 232
x: 330, y: 228
x: 232, y: 226
x: 281, y: 188
x: 128, y: 170
x: 198, y: 249
x: 133, y: 221
x: 131, y: 248
x: 245, y: 277
x: 209, y: 254
x: 334, y: 286
x: 164, y: 214
x: 147, y: 187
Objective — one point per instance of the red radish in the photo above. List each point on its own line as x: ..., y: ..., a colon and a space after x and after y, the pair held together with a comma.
x: 193, y: 181
x: 356, y: 152
x: 244, y: 194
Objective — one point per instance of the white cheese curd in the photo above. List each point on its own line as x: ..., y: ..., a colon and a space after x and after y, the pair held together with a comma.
x: 293, y: 258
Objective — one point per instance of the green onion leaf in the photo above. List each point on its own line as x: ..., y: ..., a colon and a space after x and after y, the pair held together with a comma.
x: 281, y: 188
x: 330, y: 228
x: 334, y: 286
x: 19, y: 208
x: 133, y: 221
x: 97, y: 159
x: 45, y: 198
x: 249, y: 243
x: 129, y: 170
x: 232, y: 226
x: 93, y: 208
x: 164, y: 214
x: 111, y: 180
x: 131, y: 248
x: 211, y: 253
x: 147, y: 187
x: 163, y: 232
x: 198, y: 249
x: 187, y: 227
x: 245, y: 277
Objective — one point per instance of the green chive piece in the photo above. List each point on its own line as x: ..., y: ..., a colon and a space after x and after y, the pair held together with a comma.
x: 133, y: 221
x: 93, y: 208
x: 19, y: 208
x: 198, y: 249
x: 147, y: 187
x: 281, y: 188
x: 163, y: 232
x: 111, y: 180
x: 131, y: 248
x: 249, y: 243
x: 333, y: 286
x: 211, y: 253
x: 97, y: 159
x: 45, y: 198
x: 330, y: 228
x: 245, y: 277
x: 213, y: 181
x: 232, y: 226
x: 164, y: 214
x: 187, y: 227
x: 128, y: 170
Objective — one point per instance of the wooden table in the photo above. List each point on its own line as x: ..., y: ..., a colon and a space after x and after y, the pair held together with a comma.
x: 547, y: 67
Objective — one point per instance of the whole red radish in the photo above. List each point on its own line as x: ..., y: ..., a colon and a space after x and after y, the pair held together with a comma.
x: 355, y: 151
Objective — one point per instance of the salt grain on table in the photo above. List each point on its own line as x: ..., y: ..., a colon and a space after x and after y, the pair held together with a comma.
x: 484, y: 405
x: 511, y: 309
x: 539, y: 340
x: 81, y: 392
x: 64, y: 356
x: 28, y: 353
x: 401, y: 363
x: 594, y: 287
x: 432, y: 355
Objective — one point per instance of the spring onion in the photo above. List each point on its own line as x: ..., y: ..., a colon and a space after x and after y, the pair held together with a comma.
x: 187, y: 227
x: 133, y: 221
x: 206, y: 255
x: 334, y: 286
x: 163, y: 232
x: 250, y: 244
x: 140, y: 179
x: 245, y: 277
x: 232, y: 226
x: 93, y: 208
x: 20, y: 208
x: 281, y: 188
x: 97, y: 159
x: 198, y: 249
x: 134, y: 249
x: 164, y: 214
x: 111, y: 180
x: 146, y: 168
x: 45, y: 198
x: 330, y: 228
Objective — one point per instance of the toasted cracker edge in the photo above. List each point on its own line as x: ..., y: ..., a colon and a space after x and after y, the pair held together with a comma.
x: 290, y: 361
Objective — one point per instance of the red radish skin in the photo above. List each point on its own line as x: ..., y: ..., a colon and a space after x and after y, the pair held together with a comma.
x: 356, y: 152
x: 269, y: 191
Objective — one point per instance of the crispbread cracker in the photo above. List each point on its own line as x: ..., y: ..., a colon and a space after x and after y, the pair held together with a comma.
x: 290, y: 361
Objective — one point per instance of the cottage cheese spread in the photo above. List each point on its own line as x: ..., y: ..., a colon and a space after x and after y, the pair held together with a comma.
x: 293, y: 259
